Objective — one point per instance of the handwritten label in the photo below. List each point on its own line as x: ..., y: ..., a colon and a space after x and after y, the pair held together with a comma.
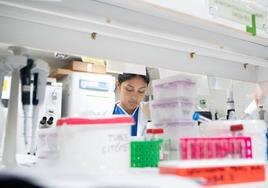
x: 116, y: 143
x: 239, y: 11
x: 221, y: 175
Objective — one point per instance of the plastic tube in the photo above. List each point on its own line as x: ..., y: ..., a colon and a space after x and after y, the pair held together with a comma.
x: 200, y: 118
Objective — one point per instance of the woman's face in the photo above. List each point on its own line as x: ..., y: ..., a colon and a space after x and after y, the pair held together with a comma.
x: 131, y: 93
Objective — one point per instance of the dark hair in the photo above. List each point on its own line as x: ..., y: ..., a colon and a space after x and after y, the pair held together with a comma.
x: 127, y: 76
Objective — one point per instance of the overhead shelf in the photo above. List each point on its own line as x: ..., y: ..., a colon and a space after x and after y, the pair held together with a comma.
x: 135, y: 32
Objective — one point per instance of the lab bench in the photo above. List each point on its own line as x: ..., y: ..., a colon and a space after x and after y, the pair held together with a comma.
x: 135, y: 177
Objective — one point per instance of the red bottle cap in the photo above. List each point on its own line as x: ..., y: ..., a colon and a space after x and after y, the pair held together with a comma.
x: 238, y: 127
x: 155, y: 131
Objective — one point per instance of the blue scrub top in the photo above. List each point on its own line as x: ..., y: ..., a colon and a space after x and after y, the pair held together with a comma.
x: 119, y: 110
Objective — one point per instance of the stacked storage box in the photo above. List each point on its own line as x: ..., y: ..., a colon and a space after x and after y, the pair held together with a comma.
x: 173, y: 105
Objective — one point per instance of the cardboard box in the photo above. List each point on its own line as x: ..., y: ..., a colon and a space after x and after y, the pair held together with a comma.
x: 60, y: 73
x: 87, y: 67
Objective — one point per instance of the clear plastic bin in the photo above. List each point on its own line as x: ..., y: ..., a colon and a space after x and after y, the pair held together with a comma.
x: 47, y: 146
x: 172, y: 87
x: 98, y: 145
x: 172, y: 134
x: 180, y: 130
x: 255, y: 129
x: 171, y: 110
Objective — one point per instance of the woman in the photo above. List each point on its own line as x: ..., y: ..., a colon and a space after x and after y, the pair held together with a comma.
x: 132, y: 89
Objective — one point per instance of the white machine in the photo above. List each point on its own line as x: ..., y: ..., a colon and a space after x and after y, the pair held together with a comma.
x: 51, y: 109
x: 52, y: 102
x: 87, y: 94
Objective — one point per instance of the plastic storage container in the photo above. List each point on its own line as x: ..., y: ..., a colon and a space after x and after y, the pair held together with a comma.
x: 47, y: 146
x: 175, y: 86
x: 154, y: 134
x: 180, y: 130
x: 256, y: 129
x: 172, y: 134
x: 217, y: 171
x: 211, y: 148
x: 171, y: 110
x: 97, y: 145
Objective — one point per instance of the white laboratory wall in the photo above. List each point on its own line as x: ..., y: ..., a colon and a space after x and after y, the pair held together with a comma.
x: 262, y: 74
x: 196, y: 8
x: 243, y: 95
x: 120, y: 67
x: 216, y: 102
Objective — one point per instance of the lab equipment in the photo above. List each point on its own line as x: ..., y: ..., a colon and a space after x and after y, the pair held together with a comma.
x: 172, y: 107
x: 43, y: 122
x: 40, y: 72
x: 230, y: 105
x: 53, y: 101
x: 237, y: 130
x: 217, y: 147
x: 50, y: 121
x: 145, y: 153
x: 174, y: 86
x: 261, y: 113
x: 154, y: 134
x: 98, y: 145
x: 191, y: 148
x: 174, y: 110
x: 217, y: 172
x: 47, y: 144
x: 47, y: 135
x: 25, y: 74
x: 255, y: 129
x: 201, y: 119
x: 179, y: 130
x: 207, y: 114
x: 51, y: 108
x: 86, y: 94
